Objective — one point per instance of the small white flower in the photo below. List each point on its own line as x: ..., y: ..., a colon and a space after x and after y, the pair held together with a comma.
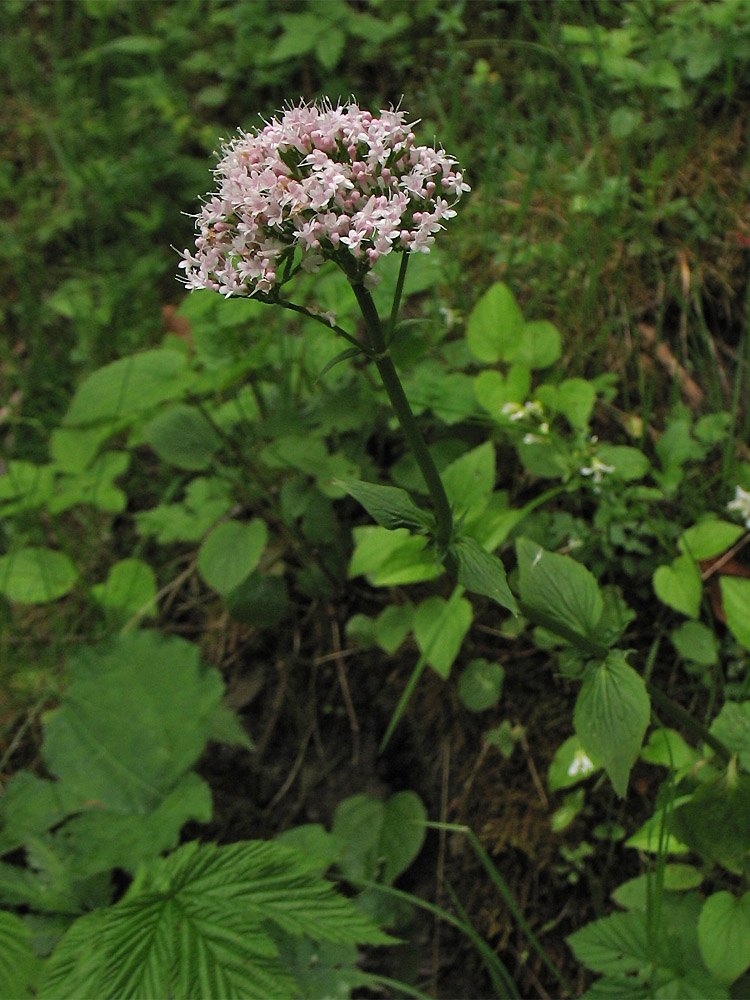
x: 597, y: 470
x: 580, y: 764
x: 741, y: 504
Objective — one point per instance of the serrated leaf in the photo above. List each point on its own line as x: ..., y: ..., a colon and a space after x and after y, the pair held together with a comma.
x: 120, y: 736
x: 36, y: 575
x: 611, y: 716
x: 196, y: 924
x: 614, y: 945
x: 482, y: 573
x: 391, y: 507
x: 724, y: 935
x: 19, y: 966
x: 231, y: 552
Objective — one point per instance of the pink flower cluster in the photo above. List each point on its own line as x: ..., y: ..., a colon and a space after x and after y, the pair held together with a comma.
x: 331, y: 183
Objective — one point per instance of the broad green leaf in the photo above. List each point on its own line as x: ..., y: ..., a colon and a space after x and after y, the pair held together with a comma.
x: 667, y: 748
x: 480, y: 684
x: 388, y: 558
x: 392, y: 626
x: 120, y: 735
x: 696, y: 642
x: 575, y: 400
x: 24, y: 486
x: 679, y: 585
x: 30, y: 806
x: 469, y: 480
x: 314, y: 841
x: 93, y: 485
x: 493, y: 390
x: 181, y: 436
x: 627, y: 463
x: 714, y: 821
x: 36, y: 575
x: 624, y: 121
x: 403, y: 833
x: 614, y: 945
x: 206, y: 501
x: 634, y: 894
x: 709, y: 539
x: 19, y: 966
x: 130, y: 588
x: 379, y: 840
x: 127, y: 387
x: 557, y: 589
x: 654, y: 838
x: 538, y: 345
x: 495, y: 325
x: 390, y: 506
x: 735, y: 595
x: 732, y: 727
x: 611, y: 715
x: 482, y: 573
x: 261, y: 600
x: 231, y: 552
x: 440, y: 628
x: 73, y: 449
x: 98, y: 840
x: 724, y: 935
x: 357, y: 825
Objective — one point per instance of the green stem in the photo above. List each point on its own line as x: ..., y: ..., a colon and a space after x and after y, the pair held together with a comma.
x: 409, y: 425
x: 678, y: 714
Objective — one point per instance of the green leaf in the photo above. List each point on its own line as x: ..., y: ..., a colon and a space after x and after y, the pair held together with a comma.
x: 495, y: 325
x: 679, y: 585
x: 469, y: 480
x: 36, y: 575
x: 388, y: 558
x: 624, y: 121
x: 575, y: 400
x: 231, y: 552
x: 724, y: 935
x: 440, y: 628
x: 667, y: 748
x: 29, y: 806
x: 196, y: 924
x: 19, y: 966
x: 24, y: 486
x: 735, y: 594
x: 732, y: 727
x: 611, y: 715
x: 627, y: 463
x: 379, y: 840
x: 482, y: 573
x: 634, y: 894
x: 493, y: 391
x: 709, y: 539
x: 614, y: 945
x: 558, y: 590
x: 390, y: 506
x: 130, y: 588
x: 261, y: 600
x: 127, y: 387
x: 93, y: 486
x: 480, y: 684
x: 206, y: 501
x: 697, y: 643
x: 134, y: 718
x: 181, y: 436
x: 538, y: 345
x: 714, y: 821
x: 392, y: 626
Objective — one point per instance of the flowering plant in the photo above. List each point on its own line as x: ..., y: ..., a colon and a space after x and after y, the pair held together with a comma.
x: 334, y: 183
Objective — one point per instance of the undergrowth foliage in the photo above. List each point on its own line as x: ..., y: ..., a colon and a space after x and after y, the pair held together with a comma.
x: 252, y: 459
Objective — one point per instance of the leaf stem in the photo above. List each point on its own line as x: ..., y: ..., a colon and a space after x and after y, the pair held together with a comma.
x: 400, y: 404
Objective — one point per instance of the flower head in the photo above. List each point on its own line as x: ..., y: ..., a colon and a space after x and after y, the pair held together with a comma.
x: 326, y: 183
x: 741, y: 504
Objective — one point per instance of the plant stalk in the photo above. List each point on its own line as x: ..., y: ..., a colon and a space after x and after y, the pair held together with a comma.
x: 405, y: 416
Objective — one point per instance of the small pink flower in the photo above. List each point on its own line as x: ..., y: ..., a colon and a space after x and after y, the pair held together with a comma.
x: 323, y: 183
